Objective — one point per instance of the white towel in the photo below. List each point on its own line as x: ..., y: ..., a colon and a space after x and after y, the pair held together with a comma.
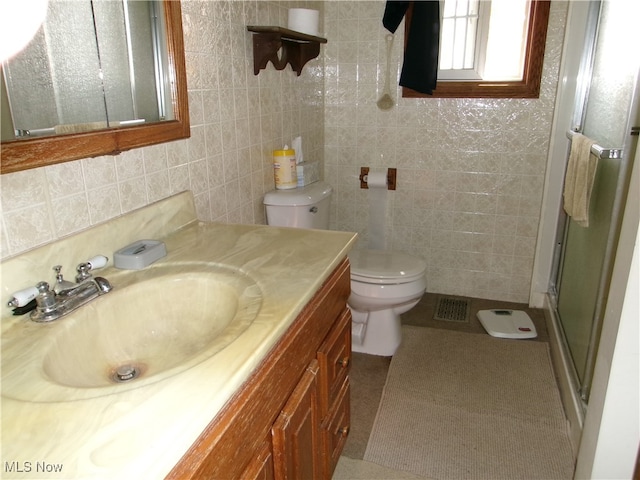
x: 578, y: 180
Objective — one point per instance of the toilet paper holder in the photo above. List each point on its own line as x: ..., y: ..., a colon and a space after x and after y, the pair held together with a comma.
x: 391, y: 178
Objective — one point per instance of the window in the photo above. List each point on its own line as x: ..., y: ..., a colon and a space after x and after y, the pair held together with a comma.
x: 463, y: 39
x: 490, y: 48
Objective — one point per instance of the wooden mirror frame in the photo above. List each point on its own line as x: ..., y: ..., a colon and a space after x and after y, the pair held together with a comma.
x: 38, y: 152
x: 528, y: 87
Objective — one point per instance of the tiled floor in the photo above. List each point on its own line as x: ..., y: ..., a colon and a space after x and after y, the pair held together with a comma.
x: 422, y: 315
x: 369, y: 372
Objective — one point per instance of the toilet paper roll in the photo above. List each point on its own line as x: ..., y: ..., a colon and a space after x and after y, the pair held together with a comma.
x: 304, y: 20
x: 377, y: 183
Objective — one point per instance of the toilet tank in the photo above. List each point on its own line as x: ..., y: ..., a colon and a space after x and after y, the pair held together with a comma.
x: 303, y: 207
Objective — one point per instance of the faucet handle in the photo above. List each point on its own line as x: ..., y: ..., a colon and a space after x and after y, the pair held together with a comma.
x: 96, y: 262
x: 83, y: 272
x: 22, y: 297
x: 93, y: 263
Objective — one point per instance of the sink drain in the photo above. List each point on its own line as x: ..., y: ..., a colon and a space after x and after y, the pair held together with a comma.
x: 125, y: 373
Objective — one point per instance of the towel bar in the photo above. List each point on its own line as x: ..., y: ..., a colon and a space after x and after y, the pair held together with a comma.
x: 598, y: 151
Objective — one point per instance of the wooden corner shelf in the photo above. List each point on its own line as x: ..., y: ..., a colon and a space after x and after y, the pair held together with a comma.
x: 297, y: 48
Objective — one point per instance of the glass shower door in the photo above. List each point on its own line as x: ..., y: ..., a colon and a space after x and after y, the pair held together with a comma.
x: 587, y: 252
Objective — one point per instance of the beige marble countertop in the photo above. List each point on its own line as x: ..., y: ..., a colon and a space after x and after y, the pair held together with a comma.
x: 143, y: 432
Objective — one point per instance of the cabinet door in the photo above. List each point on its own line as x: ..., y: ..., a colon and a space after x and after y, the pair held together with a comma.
x: 296, y: 432
x: 261, y: 467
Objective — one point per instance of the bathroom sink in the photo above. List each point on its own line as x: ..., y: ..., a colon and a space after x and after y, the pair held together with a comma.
x: 161, y: 324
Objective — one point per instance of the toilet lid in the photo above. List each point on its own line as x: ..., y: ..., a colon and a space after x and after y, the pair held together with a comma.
x: 381, y: 266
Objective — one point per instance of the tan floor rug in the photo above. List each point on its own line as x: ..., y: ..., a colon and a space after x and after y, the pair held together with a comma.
x: 459, y: 405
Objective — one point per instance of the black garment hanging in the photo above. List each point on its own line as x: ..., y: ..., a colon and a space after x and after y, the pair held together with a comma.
x: 420, y: 66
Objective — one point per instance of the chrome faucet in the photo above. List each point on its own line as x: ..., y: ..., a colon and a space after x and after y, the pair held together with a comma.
x: 61, y: 284
x: 66, y: 296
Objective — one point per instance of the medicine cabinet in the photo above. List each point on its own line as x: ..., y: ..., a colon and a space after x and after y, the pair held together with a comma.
x: 70, y: 140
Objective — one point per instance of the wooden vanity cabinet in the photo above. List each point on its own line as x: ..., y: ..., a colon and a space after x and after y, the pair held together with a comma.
x: 335, y: 430
x: 261, y: 467
x: 296, y: 432
x: 291, y: 417
x: 334, y: 357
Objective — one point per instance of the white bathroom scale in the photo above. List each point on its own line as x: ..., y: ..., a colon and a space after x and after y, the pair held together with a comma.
x: 503, y: 323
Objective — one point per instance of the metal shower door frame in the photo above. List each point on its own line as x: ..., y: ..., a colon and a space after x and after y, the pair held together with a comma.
x: 624, y: 153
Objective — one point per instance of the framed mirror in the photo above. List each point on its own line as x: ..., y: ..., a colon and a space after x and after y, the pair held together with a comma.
x: 105, y: 132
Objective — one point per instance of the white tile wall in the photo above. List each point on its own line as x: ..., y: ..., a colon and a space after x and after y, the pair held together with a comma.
x: 470, y: 172
x: 237, y: 119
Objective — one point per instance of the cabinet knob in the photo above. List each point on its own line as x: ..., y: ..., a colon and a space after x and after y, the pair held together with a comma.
x: 344, y: 431
x: 344, y: 362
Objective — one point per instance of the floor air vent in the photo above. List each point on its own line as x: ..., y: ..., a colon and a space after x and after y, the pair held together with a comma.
x: 451, y: 310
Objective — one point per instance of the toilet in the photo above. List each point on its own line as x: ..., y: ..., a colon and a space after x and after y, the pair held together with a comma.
x: 384, y: 284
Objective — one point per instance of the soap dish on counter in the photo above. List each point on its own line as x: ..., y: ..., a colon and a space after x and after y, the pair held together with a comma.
x: 139, y: 254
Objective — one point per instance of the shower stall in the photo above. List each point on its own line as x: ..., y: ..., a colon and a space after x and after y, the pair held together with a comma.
x: 606, y: 110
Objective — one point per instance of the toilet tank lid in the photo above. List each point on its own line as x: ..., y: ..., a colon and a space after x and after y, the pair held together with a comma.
x: 307, y: 195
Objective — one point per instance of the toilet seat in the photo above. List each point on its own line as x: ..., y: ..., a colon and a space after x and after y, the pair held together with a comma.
x: 374, y: 296
x: 385, y: 267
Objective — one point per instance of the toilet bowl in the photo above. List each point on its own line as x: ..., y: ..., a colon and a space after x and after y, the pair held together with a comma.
x: 384, y: 284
